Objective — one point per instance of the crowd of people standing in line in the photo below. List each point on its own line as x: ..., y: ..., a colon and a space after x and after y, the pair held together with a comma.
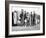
x: 26, y: 18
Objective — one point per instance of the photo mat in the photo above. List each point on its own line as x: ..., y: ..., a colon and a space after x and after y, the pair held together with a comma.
x: 26, y: 18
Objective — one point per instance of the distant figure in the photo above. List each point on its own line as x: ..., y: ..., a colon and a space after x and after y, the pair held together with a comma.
x: 25, y: 19
x: 12, y: 19
x: 22, y: 17
x: 15, y: 17
x: 31, y: 19
x: 38, y: 19
x: 34, y: 19
x: 28, y: 18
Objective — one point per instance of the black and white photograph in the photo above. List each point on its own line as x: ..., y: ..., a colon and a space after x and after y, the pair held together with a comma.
x: 25, y: 18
